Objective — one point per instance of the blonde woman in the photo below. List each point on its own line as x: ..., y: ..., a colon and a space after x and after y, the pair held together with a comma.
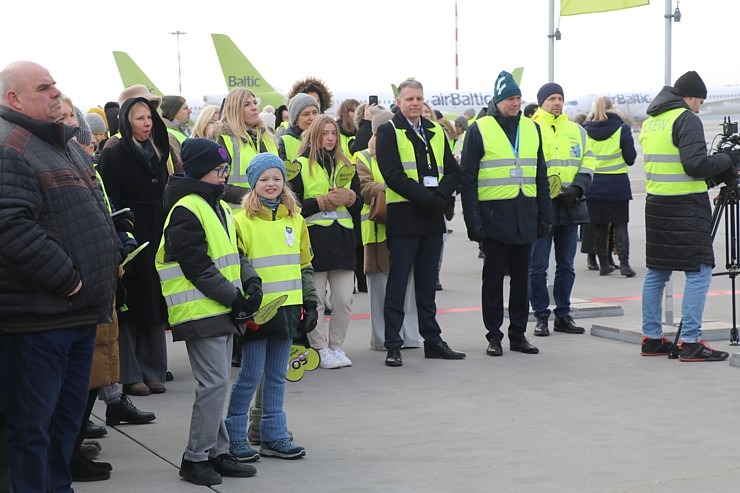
x: 328, y: 211
x: 243, y: 135
x: 207, y: 117
x: 609, y: 197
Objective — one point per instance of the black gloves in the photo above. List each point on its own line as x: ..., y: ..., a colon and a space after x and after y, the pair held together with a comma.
x: 124, y: 222
x: 543, y: 229
x: 569, y: 196
x: 253, y: 292
x: 127, y: 249
x: 310, y: 318
x: 240, y: 310
x: 476, y: 234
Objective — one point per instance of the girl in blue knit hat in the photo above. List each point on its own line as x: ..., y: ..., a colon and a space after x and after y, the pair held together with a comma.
x: 273, y: 235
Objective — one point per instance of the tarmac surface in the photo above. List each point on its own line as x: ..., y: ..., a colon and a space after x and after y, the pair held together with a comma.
x: 587, y: 414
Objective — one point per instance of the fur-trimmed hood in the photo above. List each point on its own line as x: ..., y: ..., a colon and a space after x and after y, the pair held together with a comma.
x: 313, y: 84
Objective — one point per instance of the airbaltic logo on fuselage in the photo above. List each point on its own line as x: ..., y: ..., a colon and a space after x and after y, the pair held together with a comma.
x: 634, y: 98
x: 474, y: 99
x: 246, y: 81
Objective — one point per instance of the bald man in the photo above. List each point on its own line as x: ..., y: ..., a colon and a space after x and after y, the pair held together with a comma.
x: 58, y: 270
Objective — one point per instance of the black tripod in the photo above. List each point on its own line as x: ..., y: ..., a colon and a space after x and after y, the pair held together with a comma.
x: 727, y: 204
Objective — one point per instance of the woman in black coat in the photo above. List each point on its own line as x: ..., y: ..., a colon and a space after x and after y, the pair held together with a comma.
x: 134, y: 171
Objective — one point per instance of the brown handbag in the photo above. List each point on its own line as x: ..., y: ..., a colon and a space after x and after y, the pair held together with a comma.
x: 378, y: 208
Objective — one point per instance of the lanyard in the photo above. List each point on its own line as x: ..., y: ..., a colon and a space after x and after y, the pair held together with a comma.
x: 515, y: 147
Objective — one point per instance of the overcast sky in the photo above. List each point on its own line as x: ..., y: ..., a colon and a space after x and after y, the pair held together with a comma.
x: 368, y: 45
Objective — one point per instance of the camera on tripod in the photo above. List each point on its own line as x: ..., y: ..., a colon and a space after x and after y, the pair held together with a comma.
x: 730, y: 140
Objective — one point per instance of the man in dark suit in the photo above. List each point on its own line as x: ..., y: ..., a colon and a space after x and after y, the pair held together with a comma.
x: 421, y: 174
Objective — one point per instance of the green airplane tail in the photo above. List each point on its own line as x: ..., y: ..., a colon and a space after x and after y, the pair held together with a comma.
x: 239, y: 72
x: 517, y: 74
x: 131, y: 74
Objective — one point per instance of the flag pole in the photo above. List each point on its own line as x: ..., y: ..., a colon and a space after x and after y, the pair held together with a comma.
x: 668, y: 27
x: 551, y: 44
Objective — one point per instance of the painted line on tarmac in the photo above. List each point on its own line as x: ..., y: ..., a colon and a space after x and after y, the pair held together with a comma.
x: 638, y: 298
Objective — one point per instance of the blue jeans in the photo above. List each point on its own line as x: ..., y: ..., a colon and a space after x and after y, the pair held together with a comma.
x: 46, y: 398
x: 692, y: 307
x: 565, y: 239
x: 268, y: 356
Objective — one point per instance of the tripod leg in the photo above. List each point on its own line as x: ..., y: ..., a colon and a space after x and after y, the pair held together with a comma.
x: 674, y: 350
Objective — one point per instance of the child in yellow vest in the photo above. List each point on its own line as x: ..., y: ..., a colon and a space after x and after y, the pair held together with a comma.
x: 273, y: 235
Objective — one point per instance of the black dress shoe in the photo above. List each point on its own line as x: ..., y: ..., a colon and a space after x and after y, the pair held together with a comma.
x: 125, y: 411
x: 84, y: 470
x: 567, y: 325
x: 441, y: 350
x: 522, y: 345
x: 541, y: 330
x: 394, y: 357
x: 200, y: 473
x: 94, y: 431
x: 495, y: 349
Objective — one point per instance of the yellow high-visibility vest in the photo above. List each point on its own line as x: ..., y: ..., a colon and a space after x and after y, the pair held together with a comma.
x: 319, y: 183
x: 292, y: 144
x: 407, y: 153
x: 241, y: 155
x: 184, y: 301
x: 565, y: 146
x: 372, y: 232
x: 608, y: 154
x: 664, y: 173
x: 274, y: 250
x: 502, y: 174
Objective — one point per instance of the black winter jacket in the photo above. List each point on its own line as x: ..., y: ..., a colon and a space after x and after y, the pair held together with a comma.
x: 414, y: 217
x: 607, y: 187
x: 678, y: 228
x: 513, y: 221
x: 185, y: 241
x: 55, y: 230
x: 135, y: 177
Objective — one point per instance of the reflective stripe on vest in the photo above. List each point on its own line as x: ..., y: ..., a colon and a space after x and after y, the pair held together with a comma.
x: 178, y: 135
x: 241, y: 156
x: 184, y: 301
x: 565, y: 150
x: 372, y: 232
x: 315, y: 184
x: 608, y: 153
x: 664, y: 173
x: 276, y: 259
x: 291, y: 144
x: 502, y: 174
x: 407, y: 154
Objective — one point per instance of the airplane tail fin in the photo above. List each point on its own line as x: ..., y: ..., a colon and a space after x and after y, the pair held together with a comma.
x: 239, y: 72
x: 131, y: 73
x: 517, y: 74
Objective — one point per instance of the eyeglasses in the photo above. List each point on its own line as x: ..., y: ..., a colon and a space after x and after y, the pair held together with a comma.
x: 222, y: 171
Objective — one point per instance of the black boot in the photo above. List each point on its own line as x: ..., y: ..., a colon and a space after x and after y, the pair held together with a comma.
x: 86, y: 470
x: 541, y: 329
x: 200, y: 473
x: 606, y: 267
x: 591, y: 262
x: 124, y: 411
x: 626, y: 270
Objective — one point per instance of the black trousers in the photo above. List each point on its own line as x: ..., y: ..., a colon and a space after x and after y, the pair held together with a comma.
x: 499, y: 256
x: 421, y: 253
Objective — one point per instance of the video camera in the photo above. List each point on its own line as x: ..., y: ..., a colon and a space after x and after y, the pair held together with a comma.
x: 730, y: 140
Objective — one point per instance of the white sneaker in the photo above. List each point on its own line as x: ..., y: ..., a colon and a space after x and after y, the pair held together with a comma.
x: 328, y: 360
x: 342, y: 357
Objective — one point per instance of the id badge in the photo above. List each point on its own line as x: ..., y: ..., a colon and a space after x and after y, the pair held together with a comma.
x: 516, y: 172
x: 329, y: 215
x: 289, y: 236
x: 430, y: 181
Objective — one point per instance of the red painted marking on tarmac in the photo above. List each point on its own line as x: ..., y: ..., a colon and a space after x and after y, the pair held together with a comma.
x: 366, y: 316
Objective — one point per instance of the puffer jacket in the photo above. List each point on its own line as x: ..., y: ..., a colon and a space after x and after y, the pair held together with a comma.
x: 678, y: 227
x: 54, y: 228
